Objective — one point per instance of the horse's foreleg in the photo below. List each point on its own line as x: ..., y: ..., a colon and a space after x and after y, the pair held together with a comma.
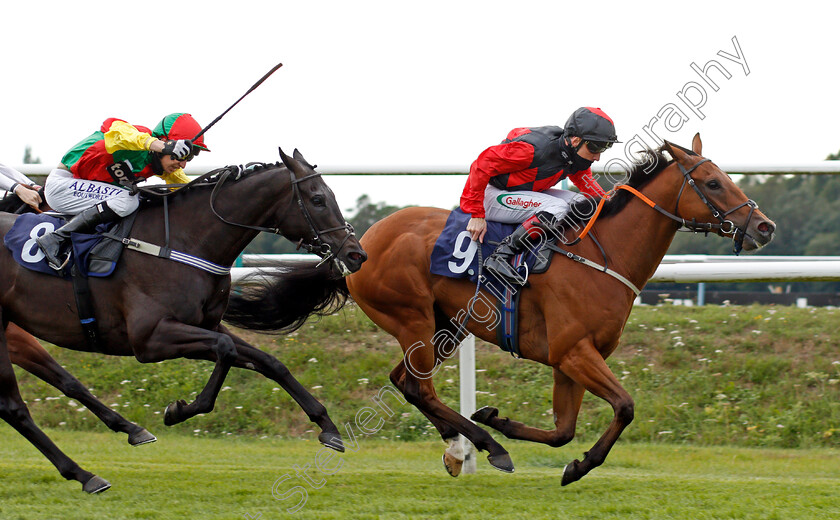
x: 171, y: 339
x: 13, y: 410
x: 252, y: 358
x: 585, y: 366
x: 27, y: 353
x: 568, y: 396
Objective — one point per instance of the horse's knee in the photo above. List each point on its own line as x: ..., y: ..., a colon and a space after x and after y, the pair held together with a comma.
x: 225, y: 350
x: 625, y: 411
x: 561, y: 438
x: 14, y: 412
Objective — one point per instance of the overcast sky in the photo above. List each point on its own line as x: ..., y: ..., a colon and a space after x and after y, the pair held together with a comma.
x: 385, y: 85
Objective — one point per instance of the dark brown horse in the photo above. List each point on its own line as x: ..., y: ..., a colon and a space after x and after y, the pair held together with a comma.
x: 28, y: 354
x: 154, y: 308
x: 571, y: 317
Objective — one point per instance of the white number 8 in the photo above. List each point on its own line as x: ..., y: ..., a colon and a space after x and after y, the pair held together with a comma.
x: 31, y: 253
x: 463, y: 254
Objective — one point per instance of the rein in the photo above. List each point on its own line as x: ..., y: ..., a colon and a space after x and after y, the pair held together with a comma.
x: 317, y: 245
x: 725, y: 226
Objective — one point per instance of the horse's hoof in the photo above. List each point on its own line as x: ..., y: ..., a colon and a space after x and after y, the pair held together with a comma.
x: 501, y: 462
x: 172, y: 415
x: 570, y: 473
x: 484, y: 414
x: 96, y: 485
x: 141, y: 437
x: 332, y: 440
x: 453, y: 466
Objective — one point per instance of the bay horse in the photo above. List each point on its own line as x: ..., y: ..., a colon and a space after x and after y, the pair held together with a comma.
x: 571, y: 316
x: 154, y: 308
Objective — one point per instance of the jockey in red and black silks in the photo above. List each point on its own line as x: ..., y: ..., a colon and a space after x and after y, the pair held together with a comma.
x: 513, y: 181
x: 96, y: 178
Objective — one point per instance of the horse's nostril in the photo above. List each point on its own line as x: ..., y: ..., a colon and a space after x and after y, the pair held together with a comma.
x: 767, y: 228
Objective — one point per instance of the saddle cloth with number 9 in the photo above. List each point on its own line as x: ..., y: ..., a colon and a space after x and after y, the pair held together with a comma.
x: 455, y: 254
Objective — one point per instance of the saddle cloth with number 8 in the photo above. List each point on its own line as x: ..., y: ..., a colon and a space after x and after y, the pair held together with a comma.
x: 20, y: 240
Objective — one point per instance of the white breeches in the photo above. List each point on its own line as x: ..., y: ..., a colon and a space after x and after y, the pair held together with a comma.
x: 67, y: 194
x: 514, y: 207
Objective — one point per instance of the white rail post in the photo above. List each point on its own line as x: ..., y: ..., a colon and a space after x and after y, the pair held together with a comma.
x: 466, y: 366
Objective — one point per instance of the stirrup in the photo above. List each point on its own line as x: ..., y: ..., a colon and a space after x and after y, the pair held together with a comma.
x: 63, y: 264
x: 511, y: 275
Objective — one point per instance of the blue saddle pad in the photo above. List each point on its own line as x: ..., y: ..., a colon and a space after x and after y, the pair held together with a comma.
x: 455, y: 254
x: 20, y: 240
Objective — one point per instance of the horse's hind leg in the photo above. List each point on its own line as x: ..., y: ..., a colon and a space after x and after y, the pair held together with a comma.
x: 453, y: 457
x: 252, y: 358
x: 27, y: 353
x: 13, y: 410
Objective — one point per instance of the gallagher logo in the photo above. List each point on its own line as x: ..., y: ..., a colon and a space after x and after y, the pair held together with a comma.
x: 517, y: 202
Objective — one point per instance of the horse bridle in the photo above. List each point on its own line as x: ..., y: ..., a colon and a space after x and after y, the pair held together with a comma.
x: 725, y: 226
x: 317, y: 245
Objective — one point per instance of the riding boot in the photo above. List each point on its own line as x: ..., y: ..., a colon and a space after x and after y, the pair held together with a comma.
x: 52, y: 243
x: 517, y: 242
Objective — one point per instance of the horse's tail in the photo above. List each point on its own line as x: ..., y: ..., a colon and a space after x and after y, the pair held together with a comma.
x: 279, y: 299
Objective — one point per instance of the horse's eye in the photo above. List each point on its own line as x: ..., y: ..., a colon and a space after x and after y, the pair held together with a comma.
x: 318, y: 200
x: 713, y: 185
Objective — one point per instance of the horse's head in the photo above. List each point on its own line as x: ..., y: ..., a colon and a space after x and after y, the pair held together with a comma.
x: 710, y: 196
x: 319, y: 225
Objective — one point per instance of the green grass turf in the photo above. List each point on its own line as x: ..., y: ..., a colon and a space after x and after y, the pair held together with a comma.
x: 243, y: 477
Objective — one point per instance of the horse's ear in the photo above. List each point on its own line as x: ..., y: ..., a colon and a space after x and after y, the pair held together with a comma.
x: 296, y: 163
x: 285, y: 158
x: 697, y: 144
x: 299, y: 157
x: 673, y: 150
x: 678, y: 152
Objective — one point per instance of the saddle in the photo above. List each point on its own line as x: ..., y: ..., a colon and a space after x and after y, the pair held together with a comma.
x: 94, y: 254
x: 455, y: 255
x: 91, y: 255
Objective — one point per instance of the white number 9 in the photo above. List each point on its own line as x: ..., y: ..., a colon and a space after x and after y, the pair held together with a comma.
x: 465, y: 254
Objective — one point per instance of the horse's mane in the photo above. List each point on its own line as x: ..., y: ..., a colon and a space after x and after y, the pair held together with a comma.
x: 642, y: 172
x: 154, y: 194
x: 11, y: 203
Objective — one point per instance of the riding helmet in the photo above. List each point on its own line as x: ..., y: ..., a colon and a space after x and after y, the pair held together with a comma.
x: 591, y: 124
x: 180, y: 126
